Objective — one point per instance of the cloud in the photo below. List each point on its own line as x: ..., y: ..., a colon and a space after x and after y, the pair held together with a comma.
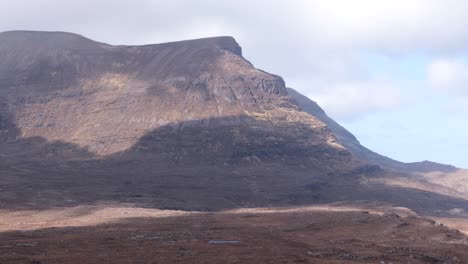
x: 387, y: 26
x: 392, y: 26
x: 348, y: 100
x: 464, y: 104
x: 449, y: 77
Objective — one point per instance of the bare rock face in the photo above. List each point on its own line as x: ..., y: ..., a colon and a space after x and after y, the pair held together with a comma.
x: 64, y: 87
x: 188, y: 124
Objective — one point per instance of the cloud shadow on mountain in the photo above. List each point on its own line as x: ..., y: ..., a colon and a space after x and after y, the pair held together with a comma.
x: 209, y: 165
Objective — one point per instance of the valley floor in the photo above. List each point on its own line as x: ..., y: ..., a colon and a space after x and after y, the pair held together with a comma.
x: 335, y: 233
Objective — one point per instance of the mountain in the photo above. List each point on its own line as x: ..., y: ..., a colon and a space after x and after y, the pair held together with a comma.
x: 183, y: 125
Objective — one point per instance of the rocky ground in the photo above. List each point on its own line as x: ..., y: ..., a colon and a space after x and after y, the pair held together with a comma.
x: 318, y: 234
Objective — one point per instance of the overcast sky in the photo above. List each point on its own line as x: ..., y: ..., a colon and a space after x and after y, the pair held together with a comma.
x: 395, y: 73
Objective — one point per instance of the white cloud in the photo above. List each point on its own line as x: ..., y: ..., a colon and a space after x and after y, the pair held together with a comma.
x: 464, y: 104
x: 386, y: 25
x: 347, y: 100
x: 449, y: 77
x: 391, y: 26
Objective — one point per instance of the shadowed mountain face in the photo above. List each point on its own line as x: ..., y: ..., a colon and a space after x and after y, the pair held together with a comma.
x: 188, y: 124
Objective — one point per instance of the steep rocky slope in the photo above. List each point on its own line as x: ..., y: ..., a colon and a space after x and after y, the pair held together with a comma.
x: 61, y: 86
x: 188, y: 124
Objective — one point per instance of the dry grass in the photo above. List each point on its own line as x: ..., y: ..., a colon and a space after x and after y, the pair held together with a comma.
x: 333, y: 233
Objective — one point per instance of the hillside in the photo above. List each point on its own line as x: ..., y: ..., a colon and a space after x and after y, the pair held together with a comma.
x: 184, y: 125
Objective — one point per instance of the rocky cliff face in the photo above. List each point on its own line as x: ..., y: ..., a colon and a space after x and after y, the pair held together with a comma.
x: 63, y: 87
x: 171, y: 125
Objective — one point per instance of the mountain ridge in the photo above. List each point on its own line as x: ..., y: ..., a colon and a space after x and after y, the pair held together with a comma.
x: 193, y: 120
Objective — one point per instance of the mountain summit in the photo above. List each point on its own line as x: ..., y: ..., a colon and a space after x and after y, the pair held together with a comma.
x: 185, y: 125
